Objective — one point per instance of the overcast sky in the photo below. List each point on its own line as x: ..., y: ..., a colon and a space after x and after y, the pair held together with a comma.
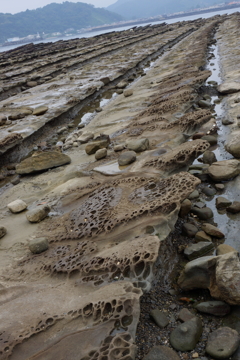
x: 14, y: 6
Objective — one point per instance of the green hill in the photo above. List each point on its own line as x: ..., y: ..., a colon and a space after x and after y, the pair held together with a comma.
x: 54, y: 18
x: 136, y: 9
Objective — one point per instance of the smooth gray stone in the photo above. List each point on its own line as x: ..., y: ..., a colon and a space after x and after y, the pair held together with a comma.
x: 209, y: 157
x: 189, y: 229
x: 127, y: 158
x: 222, y: 343
x: 203, y: 214
x: 38, y: 246
x: 209, y: 191
x: 211, y: 139
x: 160, y: 318
x: 38, y: 214
x: 186, y: 336
x: 194, y: 195
x: 222, y: 203
x: 218, y: 308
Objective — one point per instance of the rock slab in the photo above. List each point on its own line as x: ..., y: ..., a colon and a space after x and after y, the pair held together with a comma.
x: 42, y: 161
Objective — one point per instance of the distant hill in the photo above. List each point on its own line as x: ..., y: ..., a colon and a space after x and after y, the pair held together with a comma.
x: 136, y: 9
x: 54, y: 18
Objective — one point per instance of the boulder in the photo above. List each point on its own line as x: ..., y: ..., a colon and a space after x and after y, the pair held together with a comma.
x: 224, y: 249
x: 222, y: 343
x: 189, y: 229
x: 234, y: 208
x: 218, y: 308
x: 203, y: 214
x: 38, y: 246
x: 138, y: 145
x: 3, y: 231
x: 94, y: 146
x: 42, y: 161
x: 100, y: 154
x: 186, y: 336
x: 233, y: 145
x: 229, y: 87
x: 185, y: 208
x: 17, y: 206
x: 194, y: 251
x: 38, y: 214
x: 185, y: 315
x: 196, y: 273
x: 211, y: 139
x: 85, y: 137
x: 127, y: 158
x: 161, y: 353
x: 222, y: 203
x: 209, y: 157
x: 224, y: 170
x: 212, y: 230
x: 225, y: 282
x: 127, y: 93
x: 40, y: 110
x: 160, y: 318
x: 202, y: 236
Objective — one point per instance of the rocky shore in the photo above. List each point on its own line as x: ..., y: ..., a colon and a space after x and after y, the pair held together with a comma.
x: 119, y: 213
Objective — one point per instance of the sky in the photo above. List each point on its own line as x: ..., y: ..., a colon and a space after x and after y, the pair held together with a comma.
x: 15, y: 6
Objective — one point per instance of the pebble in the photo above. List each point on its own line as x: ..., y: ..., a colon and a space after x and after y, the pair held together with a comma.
x: 219, y: 187
x: 194, y: 195
x: 160, y: 318
x: 128, y: 93
x: 185, y: 208
x: 189, y: 229
x: 39, y: 245
x: 127, y: 158
x: 38, y: 214
x: 17, y: 206
x: 185, y: 315
x: 203, y: 214
x: 15, y: 180
x: 119, y: 147
x: 234, y: 208
x: 212, y: 230
x: 100, y: 154
x: 222, y: 202
x: 209, y: 191
x: 202, y: 236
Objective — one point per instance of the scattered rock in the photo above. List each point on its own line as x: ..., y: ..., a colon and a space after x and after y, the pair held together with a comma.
x: 224, y: 249
x: 127, y: 158
x: 209, y: 191
x: 229, y: 87
x: 17, y: 206
x: 194, y: 195
x: 38, y: 214
x: 218, y: 308
x: 224, y: 170
x: 94, y: 146
x: 122, y: 84
x: 85, y: 137
x: 196, y: 273
x: 161, y: 353
x: 185, y: 208
x: 212, y: 230
x: 222, y: 343
x: 194, y: 251
x: 211, y: 139
x: 119, y: 147
x: 189, y: 229
x: 42, y: 161
x: 219, y: 187
x: 39, y: 245
x: 40, y: 110
x: 234, y: 208
x: 222, y: 202
x: 233, y: 145
x: 209, y: 157
x: 138, y: 145
x: 202, y: 236
x: 160, y: 318
x: 186, y: 336
x: 185, y: 315
x: 100, y: 154
x: 127, y: 93
x: 203, y: 214
x: 3, y: 231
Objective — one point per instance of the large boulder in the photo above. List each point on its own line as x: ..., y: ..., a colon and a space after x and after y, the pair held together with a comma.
x: 224, y: 170
x: 225, y: 284
x: 222, y: 343
x: 42, y: 161
x: 138, y: 145
x: 233, y: 145
x: 229, y: 87
x: 161, y: 353
x: 186, y: 336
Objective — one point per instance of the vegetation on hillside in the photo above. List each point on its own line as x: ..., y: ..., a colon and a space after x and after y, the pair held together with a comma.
x: 54, y: 18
